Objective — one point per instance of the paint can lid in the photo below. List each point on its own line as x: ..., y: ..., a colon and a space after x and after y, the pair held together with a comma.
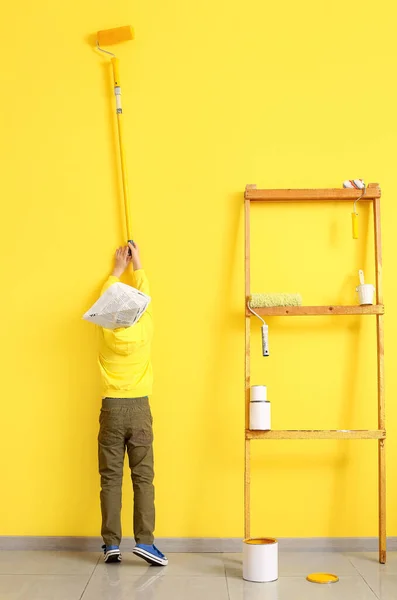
x: 322, y: 578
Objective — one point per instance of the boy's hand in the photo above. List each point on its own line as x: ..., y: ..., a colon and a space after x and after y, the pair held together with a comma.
x: 135, y: 258
x: 121, y: 261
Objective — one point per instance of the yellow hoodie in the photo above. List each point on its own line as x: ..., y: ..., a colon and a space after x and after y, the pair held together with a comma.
x: 124, y: 354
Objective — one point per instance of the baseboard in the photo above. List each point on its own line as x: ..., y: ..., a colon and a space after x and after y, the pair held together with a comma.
x: 93, y: 544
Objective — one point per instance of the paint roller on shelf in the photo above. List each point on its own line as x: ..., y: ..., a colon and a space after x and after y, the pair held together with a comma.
x: 356, y: 184
x: 268, y: 301
x: 264, y: 330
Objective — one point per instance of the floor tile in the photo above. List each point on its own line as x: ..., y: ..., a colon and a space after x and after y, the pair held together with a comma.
x: 384, y: 585
x: 368, y: 562
x: 42, y: 587
x: 297, y: 588
x: 180, y: 565
x: 382, y: 579
x: 65, y: 575
x: 298, y: 564
x: 130, y: 563
x: 46, y: 563
x: 154, y: 585
x: 195, y: 565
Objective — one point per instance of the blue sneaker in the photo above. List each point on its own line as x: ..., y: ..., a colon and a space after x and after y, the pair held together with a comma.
x: 151, y: 554
x: 112, y: 554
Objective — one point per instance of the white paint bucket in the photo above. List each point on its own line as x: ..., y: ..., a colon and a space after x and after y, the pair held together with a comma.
x: 260, y: 560
x: 258, y: 393
x: 365, y: 293
x: 260, y: 416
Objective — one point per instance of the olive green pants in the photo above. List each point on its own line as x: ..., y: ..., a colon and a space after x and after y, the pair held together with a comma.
x: 126, y: 425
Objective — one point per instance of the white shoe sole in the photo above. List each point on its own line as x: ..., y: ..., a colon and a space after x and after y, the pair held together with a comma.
x: 112, y: 556
x: 150, y: 558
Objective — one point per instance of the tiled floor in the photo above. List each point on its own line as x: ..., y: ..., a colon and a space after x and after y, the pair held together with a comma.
x: 83, y: 576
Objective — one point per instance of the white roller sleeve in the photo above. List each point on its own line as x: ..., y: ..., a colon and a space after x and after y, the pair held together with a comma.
x: 358, y: 184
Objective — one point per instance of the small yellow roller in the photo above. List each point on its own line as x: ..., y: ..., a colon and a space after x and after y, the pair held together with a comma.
x: 109, y: 37
x: 362, y: 186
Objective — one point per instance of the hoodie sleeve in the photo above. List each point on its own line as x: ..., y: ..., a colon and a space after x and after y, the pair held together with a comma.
x: 141, y: 283
x: 143, y: 330
x: 110, y: 281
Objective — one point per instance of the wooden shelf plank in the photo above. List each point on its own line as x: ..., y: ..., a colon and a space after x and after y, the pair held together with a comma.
x: 312, y: 195
x: 307, y: 311
x: 316, y: 434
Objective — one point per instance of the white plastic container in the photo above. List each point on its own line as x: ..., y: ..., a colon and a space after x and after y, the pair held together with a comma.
x: 260, y: 560
x: 258, y: 393
x: 260, y: 416
x: 365, y: 293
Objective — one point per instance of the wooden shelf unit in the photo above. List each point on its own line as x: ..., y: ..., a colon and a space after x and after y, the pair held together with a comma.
x: 373, y: 194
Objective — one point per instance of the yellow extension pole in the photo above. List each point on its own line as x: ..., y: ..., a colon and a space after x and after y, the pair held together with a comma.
x: 109, y: 37
x: 120, y: 131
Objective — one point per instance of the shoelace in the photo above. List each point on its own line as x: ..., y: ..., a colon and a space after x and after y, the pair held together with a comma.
x: 104, y: 548
x: 158, y: 551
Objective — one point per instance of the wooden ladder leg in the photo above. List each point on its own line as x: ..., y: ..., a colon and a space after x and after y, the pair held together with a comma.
x: 247, y: 491
x: 382, y: 502
x: 381, y: 384
x: 247, y: 448
x: 247, y: 465
x: 382, y: 446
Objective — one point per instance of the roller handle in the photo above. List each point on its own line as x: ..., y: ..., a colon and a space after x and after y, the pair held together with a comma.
x: 116, y: 71
x: 129, y: 249
x: 355, y: 225
x: 120, y: 130
x: 265, y: 340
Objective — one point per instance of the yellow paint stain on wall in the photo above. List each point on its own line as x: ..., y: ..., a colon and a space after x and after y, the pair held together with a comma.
x: 215, y: 95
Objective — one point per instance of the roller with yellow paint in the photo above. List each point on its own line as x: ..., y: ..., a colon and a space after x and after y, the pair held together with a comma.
x: 355, y: 184
x: 110, y: 37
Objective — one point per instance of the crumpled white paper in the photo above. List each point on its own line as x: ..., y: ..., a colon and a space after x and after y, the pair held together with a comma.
x: 120, y: 306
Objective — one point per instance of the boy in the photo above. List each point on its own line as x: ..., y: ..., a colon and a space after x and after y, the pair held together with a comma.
x: 126, y: 421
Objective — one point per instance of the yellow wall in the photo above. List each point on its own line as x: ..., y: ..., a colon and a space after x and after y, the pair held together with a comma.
x: 216, y: 95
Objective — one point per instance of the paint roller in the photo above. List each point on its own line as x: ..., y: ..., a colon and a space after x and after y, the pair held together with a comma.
x: 355, y: 184
x: 269, y: 301
x: 109, y: 37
